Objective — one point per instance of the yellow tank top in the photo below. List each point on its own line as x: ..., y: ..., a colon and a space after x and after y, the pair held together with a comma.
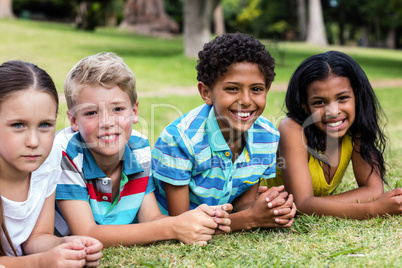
x: 320, y: 185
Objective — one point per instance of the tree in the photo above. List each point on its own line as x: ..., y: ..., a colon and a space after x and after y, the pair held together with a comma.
x: 316, y: 28
x: 301, y: 16
x: 219, y: 20
x: 6, y: 10
x: 197, y: 24
x: 148, y: 17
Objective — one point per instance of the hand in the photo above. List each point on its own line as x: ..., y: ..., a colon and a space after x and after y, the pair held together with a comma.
x: 273, y: 208
x: 92, y: 249
x: 71, y: 254
x: 195, y: 226
x: 220, y: 214
x: 388, y: 203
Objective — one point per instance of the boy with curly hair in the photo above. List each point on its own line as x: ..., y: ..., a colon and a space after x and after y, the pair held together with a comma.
x: 218, y: 152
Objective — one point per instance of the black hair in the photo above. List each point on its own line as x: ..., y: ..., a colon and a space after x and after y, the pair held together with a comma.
x: 217, y: 55
x: 15, y: 76
x: 368, y: 113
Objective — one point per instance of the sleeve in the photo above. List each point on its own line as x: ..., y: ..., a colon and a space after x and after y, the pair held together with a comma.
x: 71, y: 185
x: 172, y: 158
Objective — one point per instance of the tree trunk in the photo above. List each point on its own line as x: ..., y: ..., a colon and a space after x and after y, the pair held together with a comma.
x: 219, y: 20
x: 301, y: 16
x: 148, y: 17
x: 316, y: 28
x: 6, y: 9
x: 197, y: 24
x: 391, y: 38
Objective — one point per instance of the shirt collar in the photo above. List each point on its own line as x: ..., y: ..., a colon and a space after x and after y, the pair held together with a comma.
x: 215, y: 136
x: 91, y: 169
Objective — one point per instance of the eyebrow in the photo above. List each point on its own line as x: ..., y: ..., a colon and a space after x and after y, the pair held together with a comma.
x: 237, y: 83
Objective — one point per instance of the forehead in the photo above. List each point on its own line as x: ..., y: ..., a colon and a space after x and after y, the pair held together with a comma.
x: 331, y: 86
x: 241, y: 71
x: 97, y: 94
x: 35, y: 101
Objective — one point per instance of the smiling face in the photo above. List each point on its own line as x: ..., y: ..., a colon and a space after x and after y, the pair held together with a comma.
x: 332, y: 104
x: 238, y: 97
x: 27, y: 129
x: 104, y: 117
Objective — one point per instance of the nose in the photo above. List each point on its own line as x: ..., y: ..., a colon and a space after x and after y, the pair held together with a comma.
x: 32, y: 140
x: 245, y: 98
x: 106, y: 120
x: 332, y: 110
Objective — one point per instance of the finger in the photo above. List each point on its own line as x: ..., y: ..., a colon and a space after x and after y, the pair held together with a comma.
x: 222, y: 221
x: 209, y: 210
x: 74, y: 246
x: 224, y: 228
x: 280, y: 200
x: 94, y: 257
x: 276, y: 188
x: 281, y: 222
x: 262, y: 189
x: 221, y: 214
x: 93, y: 247
x: 201, y: 243
x: 92, y: 263
x: 227, y: 207
x: 283, y: 212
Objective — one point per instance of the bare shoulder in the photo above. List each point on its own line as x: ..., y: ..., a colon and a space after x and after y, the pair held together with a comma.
x: 289, y: 128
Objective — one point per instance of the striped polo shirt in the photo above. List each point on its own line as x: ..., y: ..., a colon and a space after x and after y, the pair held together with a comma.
x: 82, y: 179
x: 192, y: 151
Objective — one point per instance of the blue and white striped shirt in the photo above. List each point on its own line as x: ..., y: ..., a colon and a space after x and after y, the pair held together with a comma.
x: 192, y: 151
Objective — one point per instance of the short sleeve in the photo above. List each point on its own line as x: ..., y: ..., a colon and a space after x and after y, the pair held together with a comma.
x: 172, y: 159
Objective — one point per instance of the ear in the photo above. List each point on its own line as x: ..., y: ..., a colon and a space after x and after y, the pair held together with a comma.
x: 73, y: 120
x: 305, y: 108
x: 135, y: 113
x: 205, y: 92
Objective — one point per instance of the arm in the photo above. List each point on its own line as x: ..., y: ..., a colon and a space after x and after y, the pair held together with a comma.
x: 297, y: 180
x: 47, y: 250
x: 191, y: 227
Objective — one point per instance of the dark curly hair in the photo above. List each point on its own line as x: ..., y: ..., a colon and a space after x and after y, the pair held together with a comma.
x: 217, y: 55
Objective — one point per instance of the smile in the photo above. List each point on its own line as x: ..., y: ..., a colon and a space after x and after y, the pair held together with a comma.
x: 108, y: 137
x: 243, y: 115
x: 335, y: 124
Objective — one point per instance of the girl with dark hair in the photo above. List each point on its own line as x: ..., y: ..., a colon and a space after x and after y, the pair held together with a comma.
x: 333, y: 118
x: 28, y: 111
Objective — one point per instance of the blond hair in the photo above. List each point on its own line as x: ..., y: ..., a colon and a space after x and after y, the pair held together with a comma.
x: 105, y: 69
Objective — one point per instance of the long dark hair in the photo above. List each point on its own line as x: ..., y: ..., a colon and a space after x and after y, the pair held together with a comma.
x: 15, y: 76
x: 366, y: 126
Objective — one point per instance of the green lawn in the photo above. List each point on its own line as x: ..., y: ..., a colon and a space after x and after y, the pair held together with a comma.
x: 159, y: 65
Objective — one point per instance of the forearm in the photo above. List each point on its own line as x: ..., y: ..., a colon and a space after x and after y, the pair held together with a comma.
x: 132, y: 234
x: 362, y: 194
x: 323, y: 206
x: 41, y: 243
x: 35, y: 260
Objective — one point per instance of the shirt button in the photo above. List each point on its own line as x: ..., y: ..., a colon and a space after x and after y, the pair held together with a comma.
x: 105, y: 198
x: 227, y: 154
x: 105, y: 181
x: 230, y: 179
x: 226, y: 194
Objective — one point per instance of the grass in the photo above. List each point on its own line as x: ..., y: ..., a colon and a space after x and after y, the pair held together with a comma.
x: 159, y: 65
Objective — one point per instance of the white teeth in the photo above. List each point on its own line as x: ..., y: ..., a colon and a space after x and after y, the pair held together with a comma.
x: 243, y: 114
x: 111, y: 137
x: 335, y: 124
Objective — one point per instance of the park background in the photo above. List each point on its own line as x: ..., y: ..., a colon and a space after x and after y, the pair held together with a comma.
x: 56, y: 34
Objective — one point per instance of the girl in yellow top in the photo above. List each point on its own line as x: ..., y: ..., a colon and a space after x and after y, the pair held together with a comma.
x: 333, y: 118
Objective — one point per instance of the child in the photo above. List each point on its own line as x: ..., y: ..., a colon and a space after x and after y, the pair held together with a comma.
x: 334, y: 118
x: 28, y: 110
x: 106, y: 184
x: 218, y: 152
